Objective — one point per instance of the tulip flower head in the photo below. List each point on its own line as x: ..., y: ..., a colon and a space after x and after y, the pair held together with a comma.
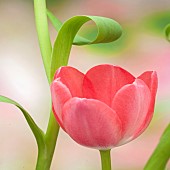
x: 104, y: 108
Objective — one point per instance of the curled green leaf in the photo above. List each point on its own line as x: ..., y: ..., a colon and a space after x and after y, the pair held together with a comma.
x: 161, y: 155
x: 38, y: 133
x: 167, y: 32
x: 108, y: 31
x: 79, y: 40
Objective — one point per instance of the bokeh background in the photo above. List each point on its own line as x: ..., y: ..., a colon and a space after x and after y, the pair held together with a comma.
x: 22, y: 77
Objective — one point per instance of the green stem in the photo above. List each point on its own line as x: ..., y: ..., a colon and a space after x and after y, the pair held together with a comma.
x: 105, y: 159
x: 51, y: 137
x: 46, y: 150
x: 43, y: 34
x: 45, y: 153
x: 42, y: 157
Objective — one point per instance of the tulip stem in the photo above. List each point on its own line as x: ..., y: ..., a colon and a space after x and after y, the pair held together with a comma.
x: 43, y: 34
x: 105, y: 159
x: 47, y: 147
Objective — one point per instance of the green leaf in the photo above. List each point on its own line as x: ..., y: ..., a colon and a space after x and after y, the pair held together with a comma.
x: 110, y: 49
x: 43, y: 34
x: 38, y: 133
x: 161, y: 155
x: 55, y: 21
x: 167, y: 32
x: 108, y: 31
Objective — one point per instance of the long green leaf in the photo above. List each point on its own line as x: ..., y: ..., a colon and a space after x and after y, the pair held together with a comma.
x: 79, y: 40
x: 108, y: 31
x: 43, y: 34
x: 38, y: 133
x: 55, y: 21
x: 161, y: 155
x: 167, y: 32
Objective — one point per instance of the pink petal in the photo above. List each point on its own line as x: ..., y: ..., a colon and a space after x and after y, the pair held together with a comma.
x: 60, y: 94
x: 103, y: 81
x: 131, y: 104
x: 151, y: 80
x: 91, y: 123
x: 72, y: 78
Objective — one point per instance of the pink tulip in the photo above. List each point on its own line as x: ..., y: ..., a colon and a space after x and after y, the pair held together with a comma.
x: 104, y: 108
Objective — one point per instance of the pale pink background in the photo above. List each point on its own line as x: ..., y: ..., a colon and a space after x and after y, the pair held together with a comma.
x: 22, y: 78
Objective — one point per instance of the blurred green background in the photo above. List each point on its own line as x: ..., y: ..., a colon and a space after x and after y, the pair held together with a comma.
x: 22, y: 77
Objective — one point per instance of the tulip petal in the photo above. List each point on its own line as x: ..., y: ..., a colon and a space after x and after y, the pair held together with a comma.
x: 131, y: 103
x: 91, y: 123
x: 151, y: 80
x: 60, y: 94
x: 103, y: 81
x: 72, y: 78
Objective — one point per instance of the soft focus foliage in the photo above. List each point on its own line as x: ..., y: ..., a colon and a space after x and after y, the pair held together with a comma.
x: 157, y: 22
x: 167, y: 32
